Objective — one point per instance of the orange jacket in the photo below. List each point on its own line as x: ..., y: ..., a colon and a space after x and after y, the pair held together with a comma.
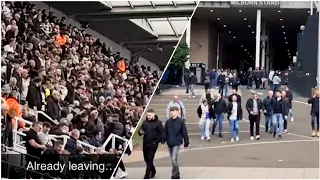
x: 14, y: 104
x: 61, y: 40
x: 122, y: 66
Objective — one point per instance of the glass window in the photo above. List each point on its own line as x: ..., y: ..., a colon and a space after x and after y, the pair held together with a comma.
x: 119, y: 3
x: 140, y: 3
x: 162, y: 27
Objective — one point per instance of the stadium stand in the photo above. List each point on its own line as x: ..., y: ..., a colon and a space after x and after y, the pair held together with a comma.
x: 87, y: 98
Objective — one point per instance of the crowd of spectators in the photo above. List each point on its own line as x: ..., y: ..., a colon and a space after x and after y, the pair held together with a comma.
x: 87, y: 89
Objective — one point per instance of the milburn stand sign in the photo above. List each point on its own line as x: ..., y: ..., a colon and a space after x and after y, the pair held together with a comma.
x: 255, y: 4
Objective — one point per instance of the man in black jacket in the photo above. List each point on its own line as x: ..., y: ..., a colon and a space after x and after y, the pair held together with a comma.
x: 287, y: 103
x: 234, y: 92
x: 174, y: 133
x: 53, y: 108
x: 314, y: 101
x: 254, y: 107
x: 220, y: 107
x: 280, y: 112
x: 34, y: 97
x: 192, y: 82
x: 289, y: 95
x: 151, y: 130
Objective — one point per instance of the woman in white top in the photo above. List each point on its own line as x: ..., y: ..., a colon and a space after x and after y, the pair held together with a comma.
x: 234, y: 111
x: 205, y: 118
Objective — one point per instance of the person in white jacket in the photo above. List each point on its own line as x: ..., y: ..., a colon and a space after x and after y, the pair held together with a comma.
x: 205, y: 118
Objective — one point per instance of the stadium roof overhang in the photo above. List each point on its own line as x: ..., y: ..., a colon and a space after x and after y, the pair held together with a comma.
x: 150, y: 29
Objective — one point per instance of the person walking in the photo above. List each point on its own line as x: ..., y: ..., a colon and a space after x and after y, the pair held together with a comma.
x: 176, y: 103
x: 234, y: 92
x: 276, y: 82
x: 174, y: 133
x: 234, y: 81
x: 268, y: 112
x: 151, y: 129
x: 280, y: 112
x: 234, y: 111
x: 221, y: 82
x: 192, y: 82
x: 205, y: 113
x: 289, y: 95
x: 286, y: 102
x: 187, y: 79
x: 220, y: 107
x: 314, y: 101
x: 254, y: 107
x: 213, y: 77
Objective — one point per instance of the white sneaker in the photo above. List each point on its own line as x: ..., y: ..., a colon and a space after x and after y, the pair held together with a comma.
x: 193, y: 97
x: 189, y: 97
x: 251, y: 138
x: 232, y: 140
x: 285, y: 131
x: 208, y: 138
x: 292, y: 119
x: 123, y: 175
x: 202, y: 138
x: 257, y: 137
x: 237, y: 138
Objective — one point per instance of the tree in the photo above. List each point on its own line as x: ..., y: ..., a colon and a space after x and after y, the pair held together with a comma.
x: 180, y: 55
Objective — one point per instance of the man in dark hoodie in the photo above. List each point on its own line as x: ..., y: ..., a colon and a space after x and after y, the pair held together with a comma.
x: 175, y: 132
x: 151, y: 129
x: 289, y: 95
x: 53, y: 108
x: 280, y: 112
x: 34, y: 97
x: 268, y: 111
x: 254, y: 107
x: 314, y: 101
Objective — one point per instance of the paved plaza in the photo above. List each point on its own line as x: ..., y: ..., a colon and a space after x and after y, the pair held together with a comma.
x: 296, y: 156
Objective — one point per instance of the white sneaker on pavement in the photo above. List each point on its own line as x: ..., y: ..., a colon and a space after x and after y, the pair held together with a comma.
x: 251, y: 138
x: 257, y: 137
x: 208, y: 138
x: 237, y: 138
x: 285, y: 131
x: 292, y: 119
x: 202, y: 138
x: 232, y: 140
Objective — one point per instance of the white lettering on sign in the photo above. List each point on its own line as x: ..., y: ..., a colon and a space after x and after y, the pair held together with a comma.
x: 255, y: 3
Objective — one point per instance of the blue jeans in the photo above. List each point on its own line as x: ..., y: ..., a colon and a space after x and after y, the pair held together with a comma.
x: 226, y: 90
x: 290, y: 113
x: 173, y: 151
x: 277, y: 119
x: 268, y: 123
x: 234, y: 128
x: 219, y: 120
x: 213, y: 82
x: 206, y: 128
x: 191, y: 88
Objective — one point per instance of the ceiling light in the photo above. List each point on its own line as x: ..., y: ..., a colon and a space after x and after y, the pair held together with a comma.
x: 211, y: 10
x: 289, y: 56
x: 241, y: 45
x: 218, y: 19
x: 284, y: 32
x: 234, y: 37
x: 279, y: 11
x: 240, y: 10
x: 285, y: 37
x: 308, y: 11
x: 281, y: 19
x: 224, y: 25
x: 288, y: 50
x: 245, y: 49
x: 248, y: 53
x: 252, y: 32
x: 282, y: 26
x: 229, y: 32
x: 286, y: 42
x: 249, y: 25
x: 245, y: 19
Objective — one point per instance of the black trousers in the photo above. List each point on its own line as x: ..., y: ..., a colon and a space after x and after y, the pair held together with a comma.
x: 254, y: 120
x: 149, y: 150
x: 285, y: 124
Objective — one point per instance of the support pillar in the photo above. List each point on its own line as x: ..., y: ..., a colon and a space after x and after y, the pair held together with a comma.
x: 258, y: 37
x: 218, y: 51
x: 263, y: 43
x: 188, y: 42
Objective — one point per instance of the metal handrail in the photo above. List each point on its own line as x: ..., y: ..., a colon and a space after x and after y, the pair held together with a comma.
x: 113, y: 137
